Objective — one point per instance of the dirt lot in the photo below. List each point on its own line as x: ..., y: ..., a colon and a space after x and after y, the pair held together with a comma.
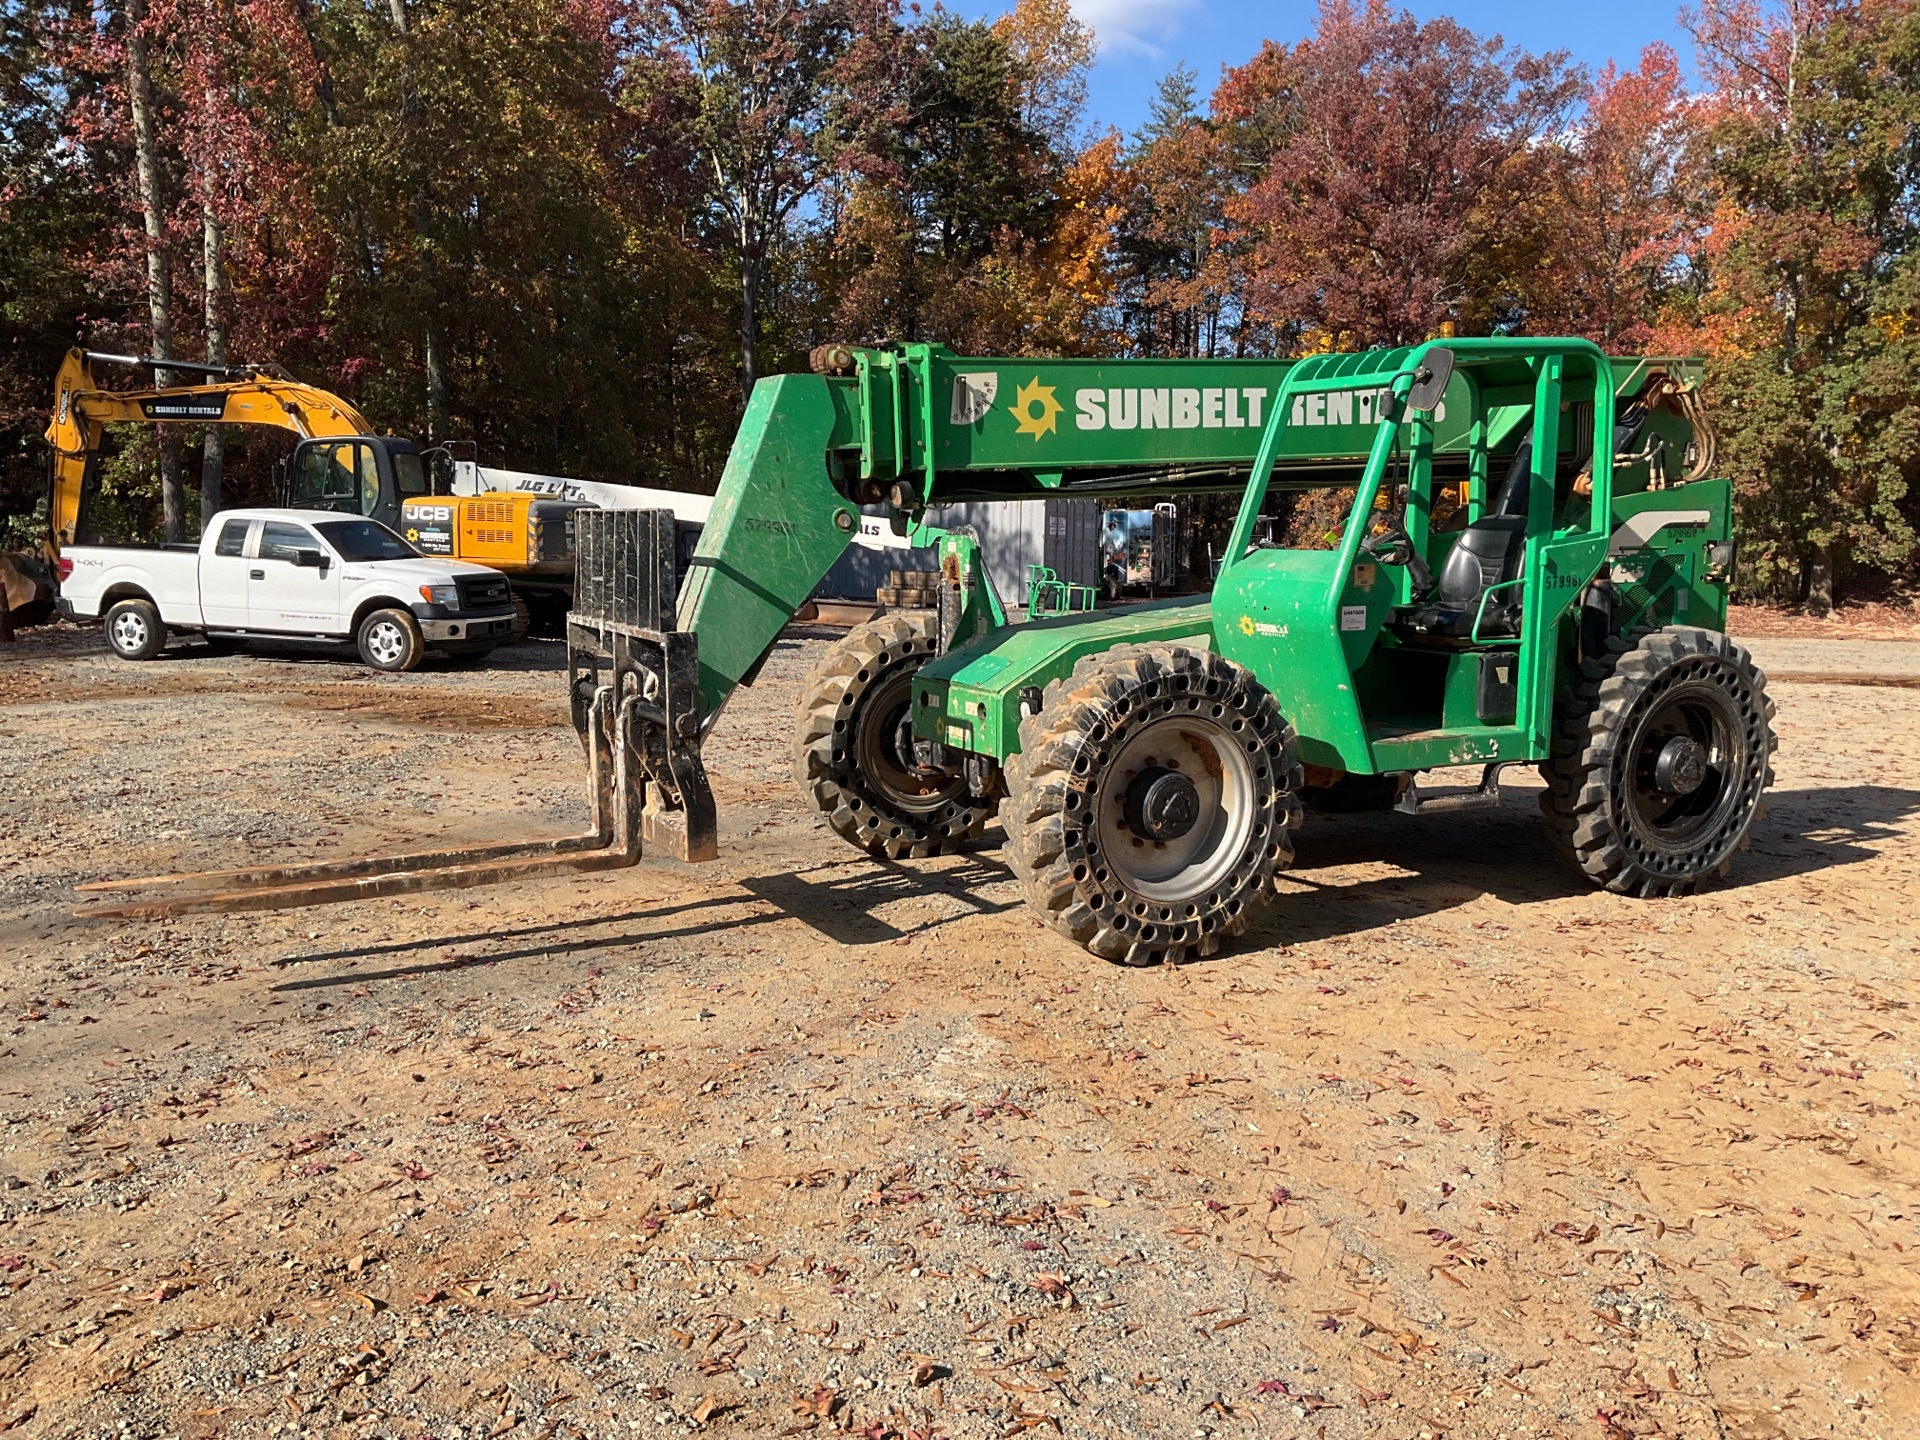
x: 799, y: 1141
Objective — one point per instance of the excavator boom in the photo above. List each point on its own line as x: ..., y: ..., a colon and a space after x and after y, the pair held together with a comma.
x: 230, y: 395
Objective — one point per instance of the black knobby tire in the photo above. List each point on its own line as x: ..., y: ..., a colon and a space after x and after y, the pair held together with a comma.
x: 1124, y: 720
x: 850, y: 757
x: 135, y: 630
x: 1660, y: 761
x: 390, y: 640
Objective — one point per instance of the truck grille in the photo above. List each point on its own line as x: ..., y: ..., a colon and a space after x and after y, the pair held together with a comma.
x: 482, y: 592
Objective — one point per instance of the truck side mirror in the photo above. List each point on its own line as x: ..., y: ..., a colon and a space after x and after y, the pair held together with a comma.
x: 1430, y: 381
x: 310, y: 559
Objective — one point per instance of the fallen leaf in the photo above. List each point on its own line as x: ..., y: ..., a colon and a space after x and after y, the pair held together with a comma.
x: 820, y: 1404
x: 709, y: 1407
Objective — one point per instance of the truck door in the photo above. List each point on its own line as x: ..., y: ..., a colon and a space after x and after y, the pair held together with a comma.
x: 294, y: 585
x: 223, y: 577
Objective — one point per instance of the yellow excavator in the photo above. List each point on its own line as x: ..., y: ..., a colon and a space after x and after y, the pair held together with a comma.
x: 339, y: 464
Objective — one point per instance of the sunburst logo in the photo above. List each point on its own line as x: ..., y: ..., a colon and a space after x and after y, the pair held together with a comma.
x: 1034, y: 397
x: 1246, y: 624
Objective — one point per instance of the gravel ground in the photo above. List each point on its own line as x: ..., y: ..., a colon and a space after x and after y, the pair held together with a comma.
x: 1852, y: 661
x: 800, y: 1141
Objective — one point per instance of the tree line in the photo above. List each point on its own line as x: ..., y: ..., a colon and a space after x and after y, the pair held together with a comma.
x: 575, y: 231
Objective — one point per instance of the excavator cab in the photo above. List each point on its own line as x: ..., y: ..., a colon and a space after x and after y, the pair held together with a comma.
x: 371, y: 475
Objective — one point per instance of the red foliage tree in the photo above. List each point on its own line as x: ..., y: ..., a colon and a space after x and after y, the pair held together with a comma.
x: 1395, y: 145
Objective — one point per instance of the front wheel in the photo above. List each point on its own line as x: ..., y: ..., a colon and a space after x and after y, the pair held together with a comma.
x: 1660, y: 760
x: 135, y: 630
x: 1152, y: 803
x: 854, y: 755
x: 390, y: 640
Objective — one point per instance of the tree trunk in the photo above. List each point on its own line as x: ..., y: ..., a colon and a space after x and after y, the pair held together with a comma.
x: 214, y: 452
x: 159, y: 268
x: 751, y: 266
x: 436, y: 381
x: 1820, y: 581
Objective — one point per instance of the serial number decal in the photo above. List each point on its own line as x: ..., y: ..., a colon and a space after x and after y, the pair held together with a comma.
x: 771, y: 527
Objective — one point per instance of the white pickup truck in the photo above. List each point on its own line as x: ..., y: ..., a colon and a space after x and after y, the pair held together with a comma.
x: 290, y: 575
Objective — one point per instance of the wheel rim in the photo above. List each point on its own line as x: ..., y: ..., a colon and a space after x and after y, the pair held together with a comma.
x: 129, y: 631
x: 1183, y: 866
x: 1690, y: 768
x: 386, y: 643
x: 882, y: 714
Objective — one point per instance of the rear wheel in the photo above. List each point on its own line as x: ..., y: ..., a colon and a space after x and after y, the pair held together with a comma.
x: 1152, y: 803
x: 1660, y: 760
x: 854, y: 755
x: 135, y: 630
x: 390, y: 640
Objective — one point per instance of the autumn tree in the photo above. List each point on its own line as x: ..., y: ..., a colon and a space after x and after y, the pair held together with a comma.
x: 762, y: 75
x: 1394, y: 145
x: 1176, y: 283
x: 1050, y: 51
x: 1812, y: 316
x: 960, y: 177
x: 1617, y: 228
x: 51, y: 206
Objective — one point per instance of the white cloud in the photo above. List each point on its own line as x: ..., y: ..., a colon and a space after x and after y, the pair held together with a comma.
x: 1133, y: 25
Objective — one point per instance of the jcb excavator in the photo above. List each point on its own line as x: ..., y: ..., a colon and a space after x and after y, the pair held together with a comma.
x: 1149, y: 764
x: 339, y: 464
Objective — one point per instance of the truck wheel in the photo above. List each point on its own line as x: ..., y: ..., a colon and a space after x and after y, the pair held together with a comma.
x: 135, y: 630
x: 855, y: 747
x: 1152, y: 802
x: 1660, y: 757
x: 391, y: 640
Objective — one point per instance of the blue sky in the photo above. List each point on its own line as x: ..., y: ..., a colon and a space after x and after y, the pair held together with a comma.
x: 1141, y: 40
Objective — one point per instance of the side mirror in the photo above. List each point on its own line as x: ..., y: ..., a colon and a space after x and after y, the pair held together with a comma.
x: 310, y: 559
x: 1430, y: 381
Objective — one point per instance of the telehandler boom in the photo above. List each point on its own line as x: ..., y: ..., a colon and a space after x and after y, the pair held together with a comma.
x: 1533, y: 570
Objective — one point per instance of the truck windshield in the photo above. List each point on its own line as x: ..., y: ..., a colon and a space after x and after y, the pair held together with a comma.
x: 365, y: 540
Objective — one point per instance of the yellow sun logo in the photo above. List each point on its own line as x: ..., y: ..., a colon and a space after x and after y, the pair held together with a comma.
x: 1246, y: 624
x: 1033, y: 394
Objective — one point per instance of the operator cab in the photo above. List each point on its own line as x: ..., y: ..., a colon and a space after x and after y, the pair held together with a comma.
x: 371, y: 475
x: 1462, y: 572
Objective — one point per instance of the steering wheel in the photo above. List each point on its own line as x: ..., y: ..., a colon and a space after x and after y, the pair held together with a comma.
x: 1393, y: 546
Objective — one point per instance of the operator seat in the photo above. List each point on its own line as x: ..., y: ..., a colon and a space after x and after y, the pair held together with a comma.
x: 1488, y: 552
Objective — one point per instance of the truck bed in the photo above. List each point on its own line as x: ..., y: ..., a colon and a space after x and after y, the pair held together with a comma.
x: 168, y: 575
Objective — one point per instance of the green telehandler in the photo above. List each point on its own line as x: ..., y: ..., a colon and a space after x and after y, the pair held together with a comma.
x: 1532, y: 570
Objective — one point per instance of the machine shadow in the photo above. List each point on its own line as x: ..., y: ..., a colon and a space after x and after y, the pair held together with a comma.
x: 1506, y: 853
x: 840, y: 908
x: 1501, y: 852
x: 835, y: 900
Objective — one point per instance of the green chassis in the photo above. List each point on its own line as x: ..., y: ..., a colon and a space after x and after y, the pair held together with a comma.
x: 918, y: 427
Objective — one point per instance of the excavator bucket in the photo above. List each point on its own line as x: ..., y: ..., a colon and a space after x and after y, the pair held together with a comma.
x: 634, y: 688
